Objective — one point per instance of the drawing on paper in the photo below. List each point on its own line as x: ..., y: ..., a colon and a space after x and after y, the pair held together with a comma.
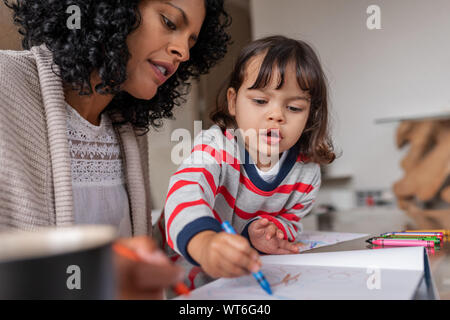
x: 287, y: 281
x: 336, y: 275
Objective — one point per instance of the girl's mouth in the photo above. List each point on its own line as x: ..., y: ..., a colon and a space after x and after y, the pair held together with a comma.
x: 272, y: 136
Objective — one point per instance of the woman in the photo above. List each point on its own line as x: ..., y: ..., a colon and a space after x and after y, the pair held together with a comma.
x: 76, y: 105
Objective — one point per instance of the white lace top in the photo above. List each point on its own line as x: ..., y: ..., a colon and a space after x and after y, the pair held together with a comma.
x: 98, y: 180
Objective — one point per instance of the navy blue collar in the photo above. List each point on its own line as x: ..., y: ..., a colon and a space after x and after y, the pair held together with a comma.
x: 259, y: 182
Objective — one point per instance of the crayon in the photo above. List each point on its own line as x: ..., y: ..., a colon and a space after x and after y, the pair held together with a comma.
x: 180, y: 288
x: 259, y: 276
x: 445, y: 232
x: 440, y: 235
x: 436, y: 240
x: 400, y: 242
x: 400, y: 238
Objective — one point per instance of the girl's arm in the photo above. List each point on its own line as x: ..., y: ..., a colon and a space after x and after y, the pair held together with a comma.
x: 190, y: 199
x: 285, y: 228
x: 192, y: 226
x: 223, y: 255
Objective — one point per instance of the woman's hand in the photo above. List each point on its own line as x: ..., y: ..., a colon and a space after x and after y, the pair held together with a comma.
x: 147, y: 278
x: 266, y: 237
x: 223, y: 255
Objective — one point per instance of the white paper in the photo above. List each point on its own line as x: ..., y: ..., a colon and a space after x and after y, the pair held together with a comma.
x: 364, y: 274
x: 316, y: 239
x: 408, y: 258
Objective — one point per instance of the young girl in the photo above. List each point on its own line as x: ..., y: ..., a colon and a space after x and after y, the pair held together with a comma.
x: 259, y: 165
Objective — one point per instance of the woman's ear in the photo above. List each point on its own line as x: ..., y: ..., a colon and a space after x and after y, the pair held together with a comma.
x: 231, y: 100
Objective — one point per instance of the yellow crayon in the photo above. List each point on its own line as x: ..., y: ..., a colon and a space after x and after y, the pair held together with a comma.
x: 445, y: 232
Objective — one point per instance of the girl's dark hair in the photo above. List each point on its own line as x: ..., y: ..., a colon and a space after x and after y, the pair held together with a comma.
x: 100, y: 44
x: 315, y: 142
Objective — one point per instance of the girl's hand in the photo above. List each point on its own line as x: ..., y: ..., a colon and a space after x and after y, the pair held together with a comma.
x: 267, y: 238
x: 148, y: 277
x: 224, y: 255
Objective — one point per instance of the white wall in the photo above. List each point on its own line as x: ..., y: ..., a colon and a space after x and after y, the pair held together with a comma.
x: 400, y: 70
x: 160, y: 146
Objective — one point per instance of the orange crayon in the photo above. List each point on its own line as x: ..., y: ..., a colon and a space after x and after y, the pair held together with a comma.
x: 179, y: 288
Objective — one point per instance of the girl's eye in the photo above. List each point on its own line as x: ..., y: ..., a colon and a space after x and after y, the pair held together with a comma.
x: 169, y: 23
x: 259, y: 101
x: 294, y: 109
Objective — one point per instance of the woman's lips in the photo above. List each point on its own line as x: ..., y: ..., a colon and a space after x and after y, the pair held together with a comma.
x: 160, y: 77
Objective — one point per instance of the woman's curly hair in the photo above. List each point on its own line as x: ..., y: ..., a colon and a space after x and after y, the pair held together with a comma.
x: 101, y: 45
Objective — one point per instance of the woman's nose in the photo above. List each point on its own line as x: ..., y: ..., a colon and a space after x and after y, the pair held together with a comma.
x: 180, y: 49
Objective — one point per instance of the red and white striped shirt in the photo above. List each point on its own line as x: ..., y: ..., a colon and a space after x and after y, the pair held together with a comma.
x: 215, y: 184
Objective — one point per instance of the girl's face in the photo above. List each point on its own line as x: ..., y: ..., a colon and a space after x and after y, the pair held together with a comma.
x: 168, y: 30
x: 275, y: 117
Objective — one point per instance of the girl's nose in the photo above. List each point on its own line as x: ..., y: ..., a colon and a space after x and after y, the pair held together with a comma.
x: 276, y: 115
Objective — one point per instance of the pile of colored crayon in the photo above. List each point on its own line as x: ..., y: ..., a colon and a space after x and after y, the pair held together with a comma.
x: 411, y: 238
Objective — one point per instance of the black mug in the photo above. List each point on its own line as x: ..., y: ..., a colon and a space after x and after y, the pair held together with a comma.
x: 58, y: 263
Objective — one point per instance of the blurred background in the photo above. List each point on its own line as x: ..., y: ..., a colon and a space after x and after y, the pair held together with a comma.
x: 398, y: 71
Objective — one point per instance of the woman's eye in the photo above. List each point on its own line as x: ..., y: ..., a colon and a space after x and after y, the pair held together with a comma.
x: 169, y: 23
x: 259, y: 101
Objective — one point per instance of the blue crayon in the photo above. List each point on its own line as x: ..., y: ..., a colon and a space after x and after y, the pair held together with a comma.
x: 257, y: 275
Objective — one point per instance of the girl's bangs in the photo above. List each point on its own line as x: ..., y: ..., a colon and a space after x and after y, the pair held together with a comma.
x: 277, y: 59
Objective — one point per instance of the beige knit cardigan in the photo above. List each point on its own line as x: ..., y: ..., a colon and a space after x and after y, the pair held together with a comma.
x: 35, y: 171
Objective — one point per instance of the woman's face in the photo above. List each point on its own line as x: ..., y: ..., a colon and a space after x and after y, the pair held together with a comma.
x: 168, y: 30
